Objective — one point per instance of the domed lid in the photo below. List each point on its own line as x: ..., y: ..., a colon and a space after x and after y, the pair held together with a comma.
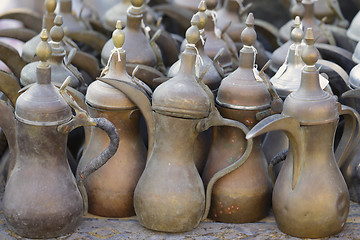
x: 42, y: 104
x: 28, y: 52
x: 117, y: 12
x: 183, y: 96
x: 354, y: 77
x: 240, y: 90
x: 59, y: 72
x: 310, y: 104
x: 104, y: 96
x: 287, y: 78
x: 137, y: 44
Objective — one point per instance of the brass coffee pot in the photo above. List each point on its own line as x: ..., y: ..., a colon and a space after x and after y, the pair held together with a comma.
x: 321, y: 33
x: 60, y: 64
x: 232, y: 11
x: 72, y: 22
x: 329, y: 9
x: 243, y: 195
x: 310, y: 197
x: 170, y: 195
x: 29, y: 49
x: 147, y: 59
x: 217, y: 39
x: 117, y: 12
x: 279, y: 56
x: 214, y: 72
x: 41, y: 198
x: 111, y: 188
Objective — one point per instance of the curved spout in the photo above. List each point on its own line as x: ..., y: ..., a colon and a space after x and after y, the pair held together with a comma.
x: 141, y: 99
x: 292, y: 129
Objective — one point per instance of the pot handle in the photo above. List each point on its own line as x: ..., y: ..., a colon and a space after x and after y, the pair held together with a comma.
x: 215, y: 119
x: 351, y: 134
x: 83, y: 119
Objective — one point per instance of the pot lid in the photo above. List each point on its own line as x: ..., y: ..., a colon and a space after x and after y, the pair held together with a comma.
x: 42, y: 104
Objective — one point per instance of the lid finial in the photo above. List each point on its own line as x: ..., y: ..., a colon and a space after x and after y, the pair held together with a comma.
x: 297, y: 33
x: 43, y: 49
x: 248, y: 35
x: 57, y: 32
x: 118, y: 35
x: 193, y: 34
x: 310, y: 54
x: 50, y: 6
x: 202, y: 15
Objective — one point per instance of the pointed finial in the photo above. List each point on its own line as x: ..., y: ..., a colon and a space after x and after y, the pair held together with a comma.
x: 248, y: 35
x: 50, y: 6
x: 211, y: 4
x: 137, y: 3
x: 193, y: 34
x: 310, y: 54
x: 297, y: 33
x: 202, y: 6
x: 57, y: 32
x: 118, y: 35
x: 43, y: 49
x: 202, y: 15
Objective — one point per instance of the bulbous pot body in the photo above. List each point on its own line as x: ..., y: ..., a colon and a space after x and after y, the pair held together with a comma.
x: 111, y: 188
x: 41, y: 198
x: 170, y: 194
x: 243, y: 195
x: 318, y: 205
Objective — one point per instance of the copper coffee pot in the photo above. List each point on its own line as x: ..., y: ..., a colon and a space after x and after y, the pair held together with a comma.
x: 243, y: 195
x: 310, y: 197
x: 182, y: 107
x: 41, y: 198
x: 111, y: 188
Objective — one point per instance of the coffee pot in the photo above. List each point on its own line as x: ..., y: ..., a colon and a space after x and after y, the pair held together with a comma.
x: 214, y: 72
x: 170, y: 195
x: 310, y: 197
x: 147, y: 59
x: 60, y: 63
x: 322, y: 34
x: 243, y: 195
x: 111, y: 188
x: 42, y: 199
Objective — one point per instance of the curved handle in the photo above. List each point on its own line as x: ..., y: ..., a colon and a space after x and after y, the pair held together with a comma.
x: 83, y: 119
x: 350, y: 135
x: 215, y: 119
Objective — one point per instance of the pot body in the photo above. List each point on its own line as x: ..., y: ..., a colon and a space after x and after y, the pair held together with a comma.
x: 318, y: 205
x: 111, y: 188
x: 243, y: 195
x: 170, y: 195
x: 41, y: 198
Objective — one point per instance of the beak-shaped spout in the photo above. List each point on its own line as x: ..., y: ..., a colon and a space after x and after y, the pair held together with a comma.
x: 140, y: 98
x: 292, y: 129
